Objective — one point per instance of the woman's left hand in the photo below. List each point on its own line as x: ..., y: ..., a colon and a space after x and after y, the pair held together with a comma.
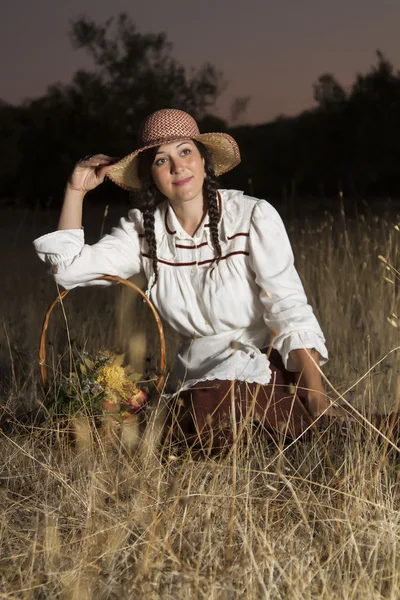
x: 310, y: 384
x: 318, y: 403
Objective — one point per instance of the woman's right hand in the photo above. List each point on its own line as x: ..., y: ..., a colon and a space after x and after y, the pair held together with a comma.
x: 90, y: 172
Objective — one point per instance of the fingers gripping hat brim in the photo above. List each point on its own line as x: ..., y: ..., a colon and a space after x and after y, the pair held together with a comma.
x: 223, y: 149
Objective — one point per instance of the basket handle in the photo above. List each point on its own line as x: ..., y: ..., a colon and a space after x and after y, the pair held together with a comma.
x: 59, y: 299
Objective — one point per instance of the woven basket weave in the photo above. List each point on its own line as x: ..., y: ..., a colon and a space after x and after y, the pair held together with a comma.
x: 60, y: 298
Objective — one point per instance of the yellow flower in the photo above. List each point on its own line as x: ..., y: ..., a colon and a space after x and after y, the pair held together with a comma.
x: 112, y: 376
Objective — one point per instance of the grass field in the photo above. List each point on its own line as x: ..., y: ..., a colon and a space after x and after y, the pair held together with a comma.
x: 116, y: 515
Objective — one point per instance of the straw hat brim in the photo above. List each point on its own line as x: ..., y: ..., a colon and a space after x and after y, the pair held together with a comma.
x: 224, y: 152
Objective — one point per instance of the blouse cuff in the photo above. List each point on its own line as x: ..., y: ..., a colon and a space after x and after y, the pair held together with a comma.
x: 59, y: 246
x: 301, y: 340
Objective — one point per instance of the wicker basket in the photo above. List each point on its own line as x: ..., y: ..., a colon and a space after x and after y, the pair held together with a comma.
x: 60, y: 298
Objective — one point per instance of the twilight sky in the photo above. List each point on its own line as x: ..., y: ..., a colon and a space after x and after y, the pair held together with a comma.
x: 270, y: 50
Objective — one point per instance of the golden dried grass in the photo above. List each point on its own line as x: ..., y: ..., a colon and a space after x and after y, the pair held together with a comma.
x: 120, y: 516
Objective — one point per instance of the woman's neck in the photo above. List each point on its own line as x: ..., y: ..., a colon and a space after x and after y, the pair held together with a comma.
x: 190, y: 215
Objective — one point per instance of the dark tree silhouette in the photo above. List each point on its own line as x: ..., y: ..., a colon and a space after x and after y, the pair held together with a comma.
x: 139, y: 72
x: 99, y: 111
x: 328, y: 93
x: 348, y: 142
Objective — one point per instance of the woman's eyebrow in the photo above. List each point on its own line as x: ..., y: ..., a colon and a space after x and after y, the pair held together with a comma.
x: 177, y: 146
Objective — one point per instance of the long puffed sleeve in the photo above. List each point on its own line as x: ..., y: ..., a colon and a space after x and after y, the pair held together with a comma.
x: 75, y: 263
x: 287, y: 312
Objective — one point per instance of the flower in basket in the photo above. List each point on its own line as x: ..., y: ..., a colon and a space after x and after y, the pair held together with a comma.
x: 102, y: 386
x: 137, y: 401
x: 122, y: 395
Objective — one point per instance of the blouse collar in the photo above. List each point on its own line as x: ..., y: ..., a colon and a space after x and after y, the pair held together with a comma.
x: 175, y: 229
x: 169, y: 231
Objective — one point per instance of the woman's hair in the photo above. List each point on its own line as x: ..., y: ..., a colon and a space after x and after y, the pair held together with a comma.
x: 149, y: 196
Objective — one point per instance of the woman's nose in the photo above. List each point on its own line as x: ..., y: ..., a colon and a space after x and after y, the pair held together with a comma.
x: 176, y: 165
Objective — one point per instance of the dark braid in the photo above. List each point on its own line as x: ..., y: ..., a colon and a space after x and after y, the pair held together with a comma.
x: 148, y: 197
x: 147, y: 202
x: 149, y: 233
x: 210, y: 189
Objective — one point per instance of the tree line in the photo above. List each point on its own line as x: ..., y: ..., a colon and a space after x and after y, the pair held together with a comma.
x: 349, y: 142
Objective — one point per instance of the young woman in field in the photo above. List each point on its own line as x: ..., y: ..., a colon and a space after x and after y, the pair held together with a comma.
x: 220, y: 271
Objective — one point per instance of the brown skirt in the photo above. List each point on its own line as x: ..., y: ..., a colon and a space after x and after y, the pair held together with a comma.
x: 212, y: 413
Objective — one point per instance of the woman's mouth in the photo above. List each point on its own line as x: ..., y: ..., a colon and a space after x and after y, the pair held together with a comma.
x: 182, y: 181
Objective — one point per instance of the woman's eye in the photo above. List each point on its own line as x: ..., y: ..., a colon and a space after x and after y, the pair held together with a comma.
x: 159, y: 162
x: 186, y: 151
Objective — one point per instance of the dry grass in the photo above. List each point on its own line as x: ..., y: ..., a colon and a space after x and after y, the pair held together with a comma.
x: 120, y: 515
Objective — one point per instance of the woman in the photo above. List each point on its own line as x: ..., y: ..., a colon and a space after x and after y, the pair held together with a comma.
x: 220, y: 271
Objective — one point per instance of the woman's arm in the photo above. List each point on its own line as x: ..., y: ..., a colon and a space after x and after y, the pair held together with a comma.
x: 296, y: 332
x: 306, y: 363
x: 71, y: 211
x: 288, y: 315
x: 74, y: 263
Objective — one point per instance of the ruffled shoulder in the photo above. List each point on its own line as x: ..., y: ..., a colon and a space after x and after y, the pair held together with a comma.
x: 135, y: 216
x: 264, y: 210
x: 237, y: 210
x: 267, y: 225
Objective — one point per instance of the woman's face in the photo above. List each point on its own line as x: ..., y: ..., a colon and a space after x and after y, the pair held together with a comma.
x: 178, y: 171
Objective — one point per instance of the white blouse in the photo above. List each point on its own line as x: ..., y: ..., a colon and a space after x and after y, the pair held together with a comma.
x: 225, y: 313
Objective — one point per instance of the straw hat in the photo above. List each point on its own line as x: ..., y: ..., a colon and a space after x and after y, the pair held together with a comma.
x: 169, y: 125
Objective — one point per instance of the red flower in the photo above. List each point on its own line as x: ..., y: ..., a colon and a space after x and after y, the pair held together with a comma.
x: 137, y: 401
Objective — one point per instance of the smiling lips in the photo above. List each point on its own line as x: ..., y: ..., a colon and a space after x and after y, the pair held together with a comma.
x: 182, y: 181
